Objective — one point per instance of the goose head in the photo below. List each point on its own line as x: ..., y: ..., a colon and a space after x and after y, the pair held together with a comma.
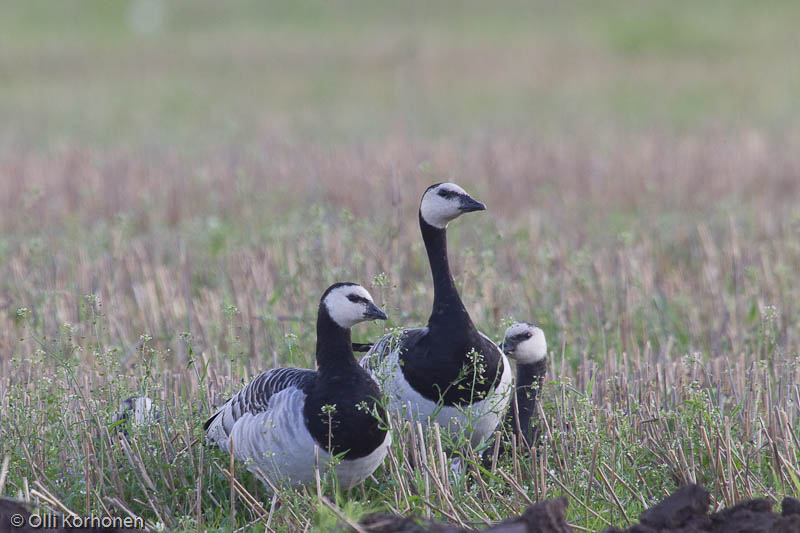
x: 444, y: 202
x: 525, y: 343
x: 139, y: 410
x: 349, y: 303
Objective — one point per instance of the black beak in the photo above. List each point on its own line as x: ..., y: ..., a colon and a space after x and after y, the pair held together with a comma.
x: 507, y: 347
x: 469, y: 204
x: 374, y: 312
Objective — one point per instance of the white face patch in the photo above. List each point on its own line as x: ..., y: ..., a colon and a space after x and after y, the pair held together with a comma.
x: 438, y: 210
x: 530, y: 350
x: 343, y: 311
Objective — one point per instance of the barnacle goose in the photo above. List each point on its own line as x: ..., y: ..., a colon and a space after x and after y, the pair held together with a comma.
x: 280, y: 417
x: 525, y: 343
x: 432, y: 373
x: 138, y: 410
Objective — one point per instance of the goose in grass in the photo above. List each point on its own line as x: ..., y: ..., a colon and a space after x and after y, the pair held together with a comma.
x: 136, y: 410
x: 526, y: 344
x: 278, y: 419
x: 447, y: 371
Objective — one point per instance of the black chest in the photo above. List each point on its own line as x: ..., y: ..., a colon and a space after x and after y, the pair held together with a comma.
x: 456, y: 367
x: 342, y: 413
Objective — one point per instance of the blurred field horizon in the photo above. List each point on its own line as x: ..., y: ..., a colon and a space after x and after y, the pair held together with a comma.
x: 143, y: 73
x: 179, y: 182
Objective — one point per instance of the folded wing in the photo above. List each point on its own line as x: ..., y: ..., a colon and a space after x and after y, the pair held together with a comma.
x: 254, y: 398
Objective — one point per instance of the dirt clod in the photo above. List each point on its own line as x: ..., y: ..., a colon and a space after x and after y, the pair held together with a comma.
x: 681, y: 508
x: 684, y: 511
x: 790, y: 506
x: 542, y: 517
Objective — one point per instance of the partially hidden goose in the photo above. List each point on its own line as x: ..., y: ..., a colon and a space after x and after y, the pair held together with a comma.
x: 137, y: 410
x: 526, y: 344
x: 278, y: 419
x: 447, y: 371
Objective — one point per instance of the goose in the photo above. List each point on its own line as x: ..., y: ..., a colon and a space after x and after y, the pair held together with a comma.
x: 138, y: 410
x: 285, y: 418
x: 448, y: 371
x: 526, y: 344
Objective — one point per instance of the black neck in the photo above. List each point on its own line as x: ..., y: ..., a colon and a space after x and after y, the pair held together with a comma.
x: 446, y: 300
x: 529, y: 381
x: 334, y: 348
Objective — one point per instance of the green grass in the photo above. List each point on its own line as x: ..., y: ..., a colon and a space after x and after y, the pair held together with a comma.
x: 671, y: 320
x: 173, y: 204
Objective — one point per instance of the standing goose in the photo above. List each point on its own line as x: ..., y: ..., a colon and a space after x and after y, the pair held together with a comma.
x: 280, y: 417
x: 525, y: 343
x: 431, y: 373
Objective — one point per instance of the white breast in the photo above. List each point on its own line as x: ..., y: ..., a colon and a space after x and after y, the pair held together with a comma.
x: 276, y: 445
x: 478, y: 420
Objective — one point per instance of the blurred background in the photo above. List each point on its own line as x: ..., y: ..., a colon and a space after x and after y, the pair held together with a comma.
x: 640, y: 162
x: 149, y: 72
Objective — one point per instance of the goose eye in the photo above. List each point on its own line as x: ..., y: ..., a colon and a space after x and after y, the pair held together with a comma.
x: 356, y: 298
x: 528, y: 335
x: 446, y: 194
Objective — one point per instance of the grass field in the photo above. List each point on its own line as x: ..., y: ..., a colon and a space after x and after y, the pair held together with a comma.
x: 178, y: 186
